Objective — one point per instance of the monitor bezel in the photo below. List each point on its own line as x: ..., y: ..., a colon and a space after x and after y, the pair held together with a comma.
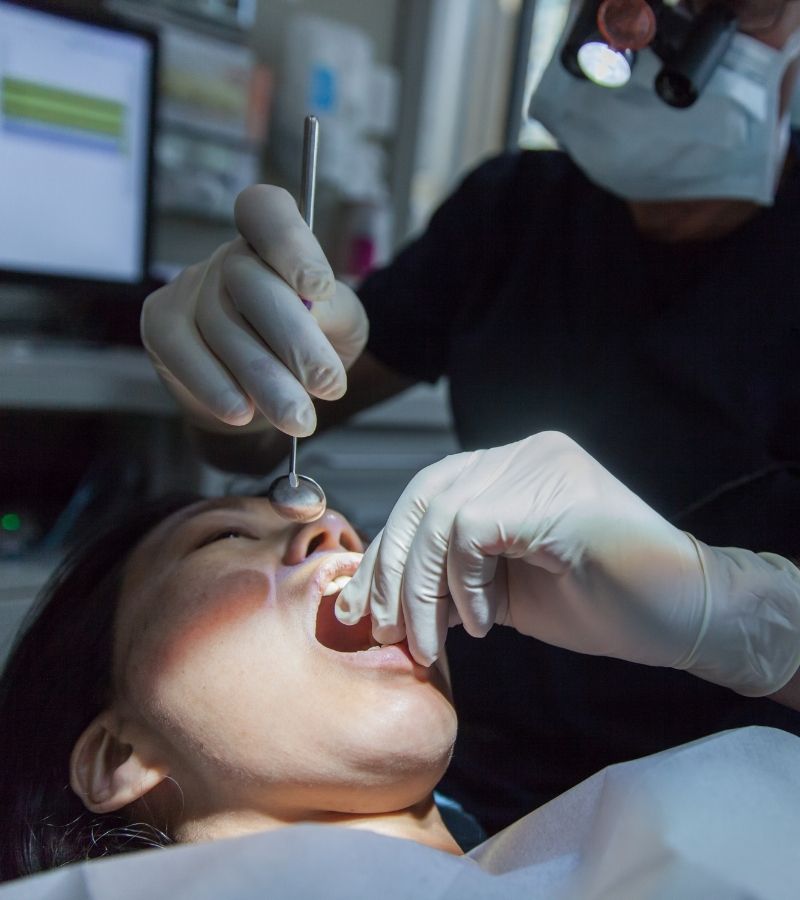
x: 73, y: 283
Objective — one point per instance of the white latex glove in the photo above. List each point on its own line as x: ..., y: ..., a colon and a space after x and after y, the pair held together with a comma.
x: 539, y: 536
x: 230, y: 337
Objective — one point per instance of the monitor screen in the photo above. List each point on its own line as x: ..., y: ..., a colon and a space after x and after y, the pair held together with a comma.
x: 75, y: 132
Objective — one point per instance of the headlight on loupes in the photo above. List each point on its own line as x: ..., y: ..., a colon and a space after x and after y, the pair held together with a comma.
x: 689, y: 40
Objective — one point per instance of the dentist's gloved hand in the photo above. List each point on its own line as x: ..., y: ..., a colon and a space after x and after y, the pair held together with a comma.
x: 230, y: 337
x: 539, y: 536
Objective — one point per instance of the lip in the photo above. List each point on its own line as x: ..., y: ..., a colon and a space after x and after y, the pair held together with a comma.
x: 333, y: 565
x: 394, y: 658
x: 324, y: 567
x: 389, y: 657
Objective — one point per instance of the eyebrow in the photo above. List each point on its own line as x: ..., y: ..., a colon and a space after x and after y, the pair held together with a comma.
x: 184, y: 517
x: 165, y: 540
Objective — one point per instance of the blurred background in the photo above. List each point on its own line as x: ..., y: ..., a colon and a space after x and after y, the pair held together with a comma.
x: 126, y: 131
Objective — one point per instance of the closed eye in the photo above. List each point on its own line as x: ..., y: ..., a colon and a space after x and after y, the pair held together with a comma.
x: 222, y: 535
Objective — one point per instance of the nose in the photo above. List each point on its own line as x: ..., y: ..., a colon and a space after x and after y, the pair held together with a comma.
x: 331, y: 532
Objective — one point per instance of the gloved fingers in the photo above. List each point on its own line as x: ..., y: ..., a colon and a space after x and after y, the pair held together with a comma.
x: 390, y: 632
x: 426, y: 602
x: 274, y: 311
x: 268, y: 219
x: 446, y: 565
x: 343, y: 320
x: 186, y: 363
x: 265, y: 379
x: 354, y: 601
x: 387, y: 574
x: 397, y: 537
x: 276, y: 314
x: 477, y: 578
x: 484, y: 529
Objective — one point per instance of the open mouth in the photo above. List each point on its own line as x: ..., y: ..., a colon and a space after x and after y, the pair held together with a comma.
x: 331, y: 633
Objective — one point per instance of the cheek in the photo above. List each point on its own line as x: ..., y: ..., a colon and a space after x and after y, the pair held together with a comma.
x: 203, y: 628
x: 215, y: 608
x: 216, y: 675
x: 228, y: 675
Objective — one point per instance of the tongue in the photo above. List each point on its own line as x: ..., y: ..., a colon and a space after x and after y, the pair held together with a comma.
x: 331, y: 633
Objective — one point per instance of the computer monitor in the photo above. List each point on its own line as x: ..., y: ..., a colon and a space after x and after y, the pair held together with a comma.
x: 76, y: 121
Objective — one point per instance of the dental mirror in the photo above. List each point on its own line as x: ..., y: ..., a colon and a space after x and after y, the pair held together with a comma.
x: 299, y: 498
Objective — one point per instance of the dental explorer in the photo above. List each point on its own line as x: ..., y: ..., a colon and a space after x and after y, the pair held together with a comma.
x: 298, y: 497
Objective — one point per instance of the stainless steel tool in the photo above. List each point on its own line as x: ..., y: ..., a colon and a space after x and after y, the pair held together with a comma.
x: 298, y: 497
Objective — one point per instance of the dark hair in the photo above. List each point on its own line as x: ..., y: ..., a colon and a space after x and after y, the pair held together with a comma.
x: 57, y: 679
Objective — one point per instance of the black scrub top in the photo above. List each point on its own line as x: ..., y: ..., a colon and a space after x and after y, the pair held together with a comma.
x: 677, y: 366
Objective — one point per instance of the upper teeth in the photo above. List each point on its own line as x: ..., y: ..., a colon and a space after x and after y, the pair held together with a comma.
x: 336, y: 585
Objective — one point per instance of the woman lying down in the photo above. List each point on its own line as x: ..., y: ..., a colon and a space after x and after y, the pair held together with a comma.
x: 206, y: 670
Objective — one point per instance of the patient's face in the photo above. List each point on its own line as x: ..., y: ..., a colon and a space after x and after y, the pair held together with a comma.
x: 228, y: 652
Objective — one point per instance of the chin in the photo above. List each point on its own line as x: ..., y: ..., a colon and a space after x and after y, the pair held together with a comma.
x: 405, y: 740
x: 399, y: 782
x: 389, y: 758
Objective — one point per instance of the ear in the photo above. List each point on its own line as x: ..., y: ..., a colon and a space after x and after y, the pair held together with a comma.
x: 107, y: 773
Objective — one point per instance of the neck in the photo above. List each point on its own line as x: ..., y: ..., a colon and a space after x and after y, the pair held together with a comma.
x: 421, y: 823
x: 674, y: 221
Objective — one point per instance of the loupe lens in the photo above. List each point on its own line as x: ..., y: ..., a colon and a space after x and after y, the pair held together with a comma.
x: 675, y: 88
x: 686, y: 72
x: 629, y: 24
x: 605, y: 66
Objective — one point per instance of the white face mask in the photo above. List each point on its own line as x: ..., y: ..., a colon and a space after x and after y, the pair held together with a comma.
x: 730, y: 144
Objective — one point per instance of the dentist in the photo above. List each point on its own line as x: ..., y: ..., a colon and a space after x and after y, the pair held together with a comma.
x: 636, y: 290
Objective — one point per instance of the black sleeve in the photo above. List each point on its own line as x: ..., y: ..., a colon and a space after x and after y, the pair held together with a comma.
x: 412, y: 303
